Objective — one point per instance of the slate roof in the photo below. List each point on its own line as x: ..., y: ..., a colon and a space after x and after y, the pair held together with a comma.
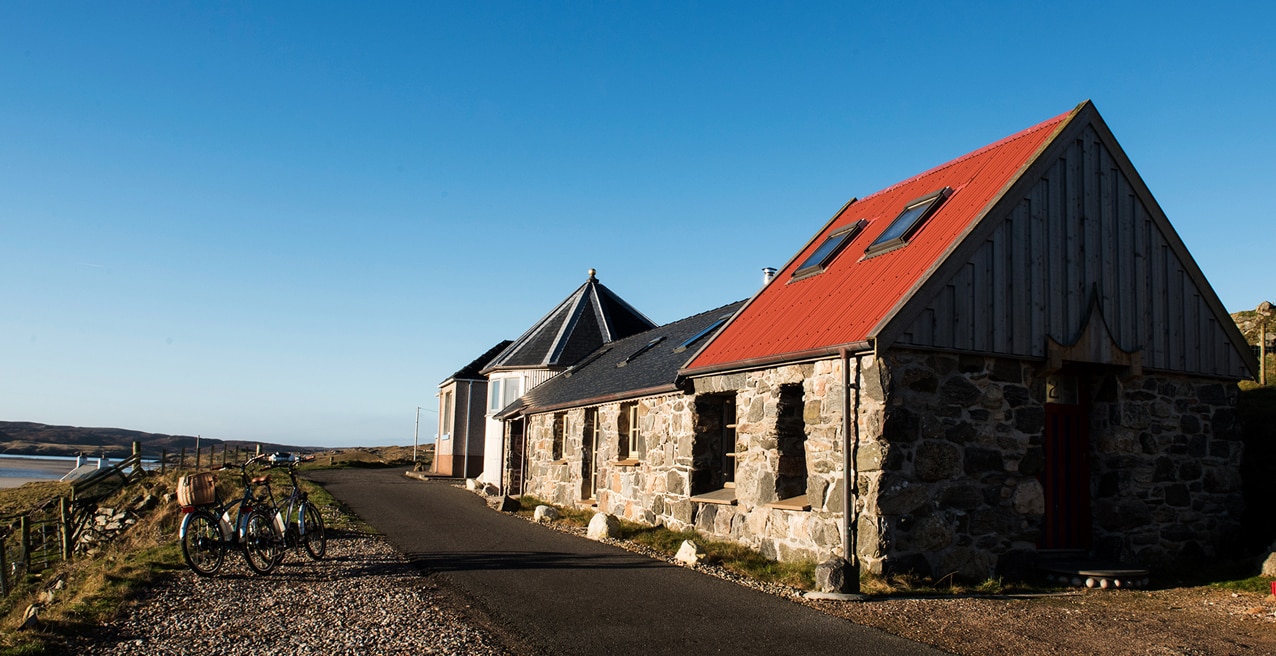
x: 856, y: 295
x: 646, y: 370
x: 591, y: 316
x: 471, y: 370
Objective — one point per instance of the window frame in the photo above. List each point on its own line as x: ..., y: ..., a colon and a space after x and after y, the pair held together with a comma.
x: 633, y: 356
x: 928, y: 204
x: 506, y: 400
x: 494, y: 395
x: 558, y: 442
x: 700, y: 335
x: 448, y: 405
x: 628, y: 442
x: 835, y: 243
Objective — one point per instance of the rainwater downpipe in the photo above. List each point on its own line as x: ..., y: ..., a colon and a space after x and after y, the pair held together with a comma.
x: 850, y: 487
x: 469, y: 401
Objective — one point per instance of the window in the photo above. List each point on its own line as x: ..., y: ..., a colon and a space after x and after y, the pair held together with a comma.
x: 446, y: 428
x: 589, y: 446
x: 713, y: 448
x: 640, y: 351
x: 630, y: 446
x: 560, y: 428
x: 511, y: 392
x: 696, y: 337
x: 790, y: 437
x: 829, y: 249
x: 494, y: 395
x: 584, y: 363
x: 902, y: 228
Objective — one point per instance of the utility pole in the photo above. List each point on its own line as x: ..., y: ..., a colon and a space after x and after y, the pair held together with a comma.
x: 416, y: 432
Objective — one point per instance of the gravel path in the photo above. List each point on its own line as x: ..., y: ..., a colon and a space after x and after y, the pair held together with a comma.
x: 371, y: 601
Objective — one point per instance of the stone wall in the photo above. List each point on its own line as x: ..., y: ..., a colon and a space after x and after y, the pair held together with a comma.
x: 655, y: 488
x: 949, y: 457
x: 1167, y: 469
x: 781, y: 533
x: 962, y: 443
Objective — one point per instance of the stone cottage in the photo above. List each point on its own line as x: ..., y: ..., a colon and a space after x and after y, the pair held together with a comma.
x: 1009, y: 355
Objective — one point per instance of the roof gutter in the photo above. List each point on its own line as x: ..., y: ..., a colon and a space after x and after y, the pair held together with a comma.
x: 606, y: 398
x: 784, y: 358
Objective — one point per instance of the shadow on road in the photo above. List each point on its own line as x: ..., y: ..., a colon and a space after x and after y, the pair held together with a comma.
x: 514, y: 560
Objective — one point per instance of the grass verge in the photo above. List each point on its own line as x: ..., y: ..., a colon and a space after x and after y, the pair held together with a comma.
x: 728, y: 555
x: 77, y: 596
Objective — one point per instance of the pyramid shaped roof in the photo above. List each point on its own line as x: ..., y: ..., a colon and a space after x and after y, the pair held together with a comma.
x: 643, y: 364
x: 589, y: 317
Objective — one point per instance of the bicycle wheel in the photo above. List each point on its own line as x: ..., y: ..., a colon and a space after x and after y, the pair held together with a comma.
x: 312, y: 535
x: 263, y: 545
x: 202, y: 544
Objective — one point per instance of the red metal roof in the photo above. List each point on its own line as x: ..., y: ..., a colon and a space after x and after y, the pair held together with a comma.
x: 849, y: 301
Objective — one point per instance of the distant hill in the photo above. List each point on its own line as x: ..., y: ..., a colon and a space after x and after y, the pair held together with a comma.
x: 1251, y: 324
x: 27, y: 438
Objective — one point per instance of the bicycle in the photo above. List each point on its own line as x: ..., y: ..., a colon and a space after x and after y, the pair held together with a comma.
x: 301, y: 522
x: 207, y: 530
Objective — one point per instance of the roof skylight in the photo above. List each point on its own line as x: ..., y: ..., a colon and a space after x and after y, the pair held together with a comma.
x: 640, y: 351
x: 696, y: 337
x: 583, y: 363
x: 829, y: 249
x: 902, y: 228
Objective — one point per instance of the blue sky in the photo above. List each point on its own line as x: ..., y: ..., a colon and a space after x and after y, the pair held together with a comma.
x: 290, y: 221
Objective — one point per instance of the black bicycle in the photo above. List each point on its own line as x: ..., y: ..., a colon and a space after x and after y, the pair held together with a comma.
x: 210, y: 527
x: 301, y: 521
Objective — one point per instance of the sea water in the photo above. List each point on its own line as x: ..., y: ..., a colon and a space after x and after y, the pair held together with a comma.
x: 15, y: 469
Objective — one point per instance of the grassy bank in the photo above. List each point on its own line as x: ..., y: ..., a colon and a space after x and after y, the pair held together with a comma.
x: 76, y: 596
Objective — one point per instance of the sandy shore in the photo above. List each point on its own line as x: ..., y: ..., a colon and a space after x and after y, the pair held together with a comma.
x: 17, y: 471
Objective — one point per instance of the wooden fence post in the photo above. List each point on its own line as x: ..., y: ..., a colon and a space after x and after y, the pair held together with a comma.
x: 198, y: 452
x: 64, y: 518
x: 182, y: 461
x: 4, y: 571
x: 163, y: 460
x: 137, y: 459
x: 24, y: 531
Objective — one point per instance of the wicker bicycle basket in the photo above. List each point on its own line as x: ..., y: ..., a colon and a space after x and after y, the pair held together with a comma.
x: 196, y: 489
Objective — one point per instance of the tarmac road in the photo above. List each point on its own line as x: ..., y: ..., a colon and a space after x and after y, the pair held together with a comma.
x: 555, y: 593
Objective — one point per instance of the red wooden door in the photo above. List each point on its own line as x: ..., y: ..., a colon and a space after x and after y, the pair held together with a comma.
x: 1066, y: 478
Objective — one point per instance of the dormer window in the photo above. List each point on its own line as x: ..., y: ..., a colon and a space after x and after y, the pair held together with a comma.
x: 908, y: 222
x: 820, y: 259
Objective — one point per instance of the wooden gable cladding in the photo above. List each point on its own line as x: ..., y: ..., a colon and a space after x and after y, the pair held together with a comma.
x: 1080, y: 219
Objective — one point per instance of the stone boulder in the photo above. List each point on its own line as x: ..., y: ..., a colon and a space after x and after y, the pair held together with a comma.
x: 30, y: 619
x: 1269, y: 565
x: 830, y: 575
x: 689, y: 553
x: 504, y: 503
x: 603, y: 526
x: 545, y: 514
